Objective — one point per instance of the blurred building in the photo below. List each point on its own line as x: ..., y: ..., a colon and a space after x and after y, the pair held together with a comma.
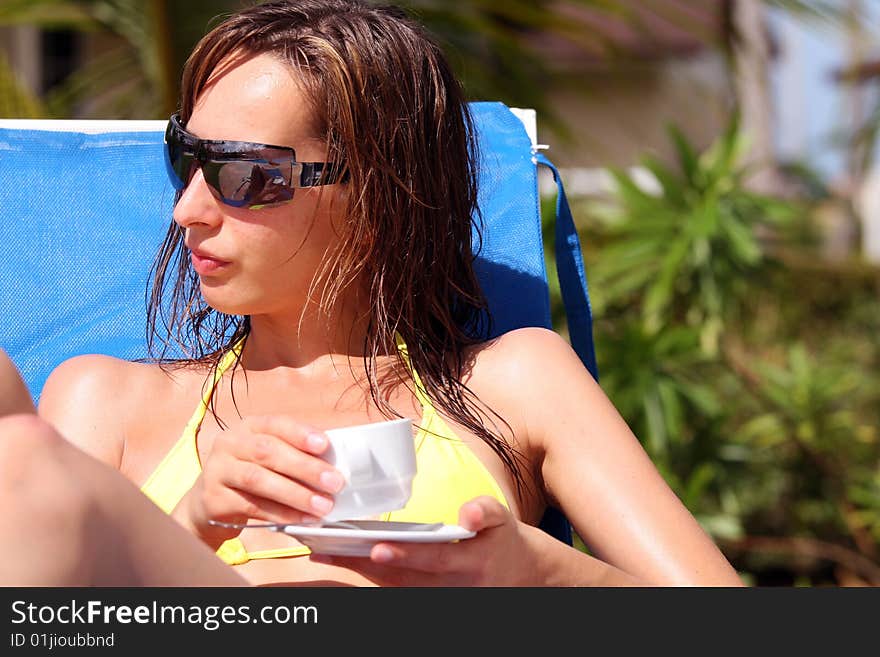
x: 40, y: 58
x: 657, y: 64
x: 654, y: 64
x: 827, y: 84
x: 865, y: 76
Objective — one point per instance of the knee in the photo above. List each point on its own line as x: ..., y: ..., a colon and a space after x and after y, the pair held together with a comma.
x: 34, y: 475
x: 26, y: 440
x: 45, y: 502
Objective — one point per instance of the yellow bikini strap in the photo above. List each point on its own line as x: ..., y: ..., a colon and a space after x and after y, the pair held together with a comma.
x: 179, y: 469
x: 225, y: 363
x: 421, y: 393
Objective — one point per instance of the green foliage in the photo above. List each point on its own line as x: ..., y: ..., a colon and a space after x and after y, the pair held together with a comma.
x: 702, y: 224
x: 747, y: 366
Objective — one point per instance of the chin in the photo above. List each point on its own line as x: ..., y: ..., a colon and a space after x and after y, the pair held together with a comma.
x: 224, y: 302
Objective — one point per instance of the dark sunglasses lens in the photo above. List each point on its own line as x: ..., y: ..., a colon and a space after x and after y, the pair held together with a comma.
x: 243, y: 183
x: 236, y: 182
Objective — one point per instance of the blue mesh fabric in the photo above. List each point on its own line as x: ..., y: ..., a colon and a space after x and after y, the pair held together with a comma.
x: 82, y: 216
x: 510, y: 263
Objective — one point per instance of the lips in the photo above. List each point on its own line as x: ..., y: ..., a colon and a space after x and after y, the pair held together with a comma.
x: 206, y: 263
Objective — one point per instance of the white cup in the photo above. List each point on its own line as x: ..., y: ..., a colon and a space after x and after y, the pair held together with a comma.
x: 378, y: 461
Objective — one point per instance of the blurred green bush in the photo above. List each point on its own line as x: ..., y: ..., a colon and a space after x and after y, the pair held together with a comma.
x: 746, y: 364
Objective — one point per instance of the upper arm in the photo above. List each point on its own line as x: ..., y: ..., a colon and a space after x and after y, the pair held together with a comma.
x: 14, y: 395
x: 84, y: 399
x: 598, y: 472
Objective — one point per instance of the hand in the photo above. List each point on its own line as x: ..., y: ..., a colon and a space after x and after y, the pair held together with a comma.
x: 503, y: 553
x: 267, y: 468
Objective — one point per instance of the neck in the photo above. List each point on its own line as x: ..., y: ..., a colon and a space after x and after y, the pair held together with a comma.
x: 302, y: 339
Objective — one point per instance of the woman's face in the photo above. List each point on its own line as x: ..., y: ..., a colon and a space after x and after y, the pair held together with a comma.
x: 253, y: 262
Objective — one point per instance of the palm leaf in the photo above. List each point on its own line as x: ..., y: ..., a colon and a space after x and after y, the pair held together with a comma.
x: 49, y: 14
x: 15, y: 99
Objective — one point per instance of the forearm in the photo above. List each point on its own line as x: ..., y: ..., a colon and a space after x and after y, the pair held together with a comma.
x: 563, y: 565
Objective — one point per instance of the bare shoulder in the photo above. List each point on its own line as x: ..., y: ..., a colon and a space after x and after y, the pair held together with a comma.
x: 93, y: 399
x: 530, y: 371
x: 92, y: 378
x: 526, y: 349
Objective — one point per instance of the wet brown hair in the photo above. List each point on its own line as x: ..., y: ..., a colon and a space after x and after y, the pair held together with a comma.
x: 388, y: 106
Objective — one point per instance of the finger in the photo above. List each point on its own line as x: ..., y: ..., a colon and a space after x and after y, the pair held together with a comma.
x: 482, y: 513
x: 302, y: 436
x: 254, y: 479
x: 279, y: 456
x: 254, y: 507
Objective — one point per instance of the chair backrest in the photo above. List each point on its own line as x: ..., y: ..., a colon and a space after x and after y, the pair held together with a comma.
x: 84, y: 206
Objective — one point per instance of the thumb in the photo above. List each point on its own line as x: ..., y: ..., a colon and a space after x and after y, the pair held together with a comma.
x: 482, y: 513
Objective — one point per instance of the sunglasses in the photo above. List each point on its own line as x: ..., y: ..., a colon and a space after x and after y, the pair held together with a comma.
x: 239, y: 173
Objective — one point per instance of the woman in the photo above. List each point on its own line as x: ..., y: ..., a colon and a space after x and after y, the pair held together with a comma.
x: 318, y: 273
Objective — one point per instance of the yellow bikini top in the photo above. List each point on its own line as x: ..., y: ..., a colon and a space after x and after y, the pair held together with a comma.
x: 448, y: 472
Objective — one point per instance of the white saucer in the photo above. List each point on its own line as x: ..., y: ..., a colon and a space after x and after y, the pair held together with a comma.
x: 358, y: 537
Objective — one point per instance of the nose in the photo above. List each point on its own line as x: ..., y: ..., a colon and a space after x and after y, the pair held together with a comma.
x: 197, y: 205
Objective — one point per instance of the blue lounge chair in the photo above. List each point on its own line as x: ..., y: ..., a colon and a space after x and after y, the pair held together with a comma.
x: 84, y: 206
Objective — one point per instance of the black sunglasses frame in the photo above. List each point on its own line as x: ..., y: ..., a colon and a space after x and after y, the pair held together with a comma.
x: 279, y: 171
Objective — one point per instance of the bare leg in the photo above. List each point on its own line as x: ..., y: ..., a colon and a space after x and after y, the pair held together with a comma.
x: 70, y: 520
x: 14, y: 395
